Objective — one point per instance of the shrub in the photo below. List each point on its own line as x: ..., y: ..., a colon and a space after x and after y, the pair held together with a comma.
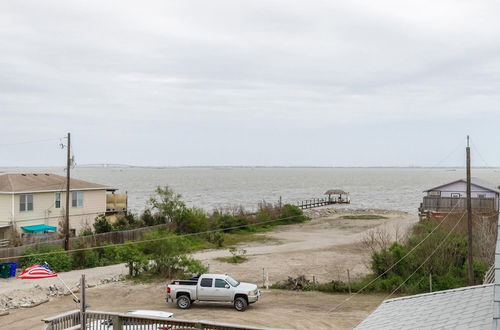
x: 227, y: 221
x: 190, y: 221
x: 86, y: 230
x: 292, y: 214
x: 168, y: 255
x: 102, y: 225
x: 148, y: 219
x: 137, y: 263
x: 59, y: 262
x: 167, y: 204
x: 85, y: 259
x: 216, y: 238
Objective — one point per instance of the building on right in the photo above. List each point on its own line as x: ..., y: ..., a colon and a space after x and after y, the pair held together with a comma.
x: 452, y: 197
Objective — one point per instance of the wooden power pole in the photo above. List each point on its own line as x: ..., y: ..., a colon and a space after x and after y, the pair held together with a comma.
x: 83, y: 306
x: 470, y: 265
x: 66, y: 220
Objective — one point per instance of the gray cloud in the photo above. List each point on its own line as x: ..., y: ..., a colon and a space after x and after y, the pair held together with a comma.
x: 231, y: 74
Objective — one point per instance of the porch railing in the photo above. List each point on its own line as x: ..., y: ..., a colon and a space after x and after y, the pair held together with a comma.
x: 96, y: 320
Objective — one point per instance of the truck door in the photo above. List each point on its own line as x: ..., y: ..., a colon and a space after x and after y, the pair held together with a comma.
x: 222, y: 290
x: 205, y: 290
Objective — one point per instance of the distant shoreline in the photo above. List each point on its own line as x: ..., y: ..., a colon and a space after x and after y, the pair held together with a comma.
x: 125, y: 166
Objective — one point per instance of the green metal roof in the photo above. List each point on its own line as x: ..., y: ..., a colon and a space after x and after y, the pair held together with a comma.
x: 38, y: 228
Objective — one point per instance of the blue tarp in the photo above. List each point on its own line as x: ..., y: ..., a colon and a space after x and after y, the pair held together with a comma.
x: 38, y: 228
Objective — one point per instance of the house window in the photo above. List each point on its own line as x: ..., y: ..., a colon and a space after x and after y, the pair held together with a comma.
x: 481, y: 195
x: 434, y: 193
x: 26, y: 202
x: 455, y: 195
x: 57, y: 203
x: 77, y: 199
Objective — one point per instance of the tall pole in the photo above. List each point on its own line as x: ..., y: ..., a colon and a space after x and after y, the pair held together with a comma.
x: 66, y: 220
x: 469, y: 219
x: 83, y: 319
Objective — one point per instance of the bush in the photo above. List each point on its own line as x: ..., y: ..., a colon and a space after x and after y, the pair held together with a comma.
x: 148, y: 218
x: 192, y: 220
x: 168, y: 255
x: 167, y: 204
x: 227, y: 221
x: 292, y: 214
x: 127, y: 222
x: 59, y: 262
x: 216, y: 238
x: 86, y: 230
x: 85, y: 259
x: 102, y: 225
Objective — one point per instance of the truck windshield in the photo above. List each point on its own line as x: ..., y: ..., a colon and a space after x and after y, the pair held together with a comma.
x: 232, y: 281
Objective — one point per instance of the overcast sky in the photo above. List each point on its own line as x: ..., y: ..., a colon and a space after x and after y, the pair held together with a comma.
x: 327, y: 83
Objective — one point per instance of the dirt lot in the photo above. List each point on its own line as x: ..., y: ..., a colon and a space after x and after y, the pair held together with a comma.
x: 324, y: 247
x: 283, y: 309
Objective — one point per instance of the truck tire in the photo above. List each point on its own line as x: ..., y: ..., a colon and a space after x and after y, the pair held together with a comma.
x: 240, y: 304
x: 183, y: 302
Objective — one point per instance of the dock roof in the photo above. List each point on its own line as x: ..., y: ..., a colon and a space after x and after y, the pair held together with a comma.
x: 335, y: 192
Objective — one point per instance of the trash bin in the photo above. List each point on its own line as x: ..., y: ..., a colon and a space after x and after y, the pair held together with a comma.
x: 13, y: 268
x: 5, y: 270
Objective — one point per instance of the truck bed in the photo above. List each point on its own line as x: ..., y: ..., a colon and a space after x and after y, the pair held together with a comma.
x: 183, y: 282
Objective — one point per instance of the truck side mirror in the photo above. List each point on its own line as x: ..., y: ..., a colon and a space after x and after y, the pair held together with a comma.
x: 227, y: 286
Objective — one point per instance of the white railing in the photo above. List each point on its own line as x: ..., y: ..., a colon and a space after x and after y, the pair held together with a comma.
x: 96, y: 320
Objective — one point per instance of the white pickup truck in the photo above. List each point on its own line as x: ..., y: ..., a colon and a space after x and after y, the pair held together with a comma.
x: 212, y: 288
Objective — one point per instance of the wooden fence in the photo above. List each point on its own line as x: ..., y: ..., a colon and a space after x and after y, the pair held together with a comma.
x: 115, y: 237
x: 447, y: 204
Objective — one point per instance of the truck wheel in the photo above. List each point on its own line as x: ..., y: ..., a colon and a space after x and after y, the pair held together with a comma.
x: 240, y: 304
x: 183, y: 302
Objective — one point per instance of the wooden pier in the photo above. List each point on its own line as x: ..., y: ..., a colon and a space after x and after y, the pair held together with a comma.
x: 339, y: 197
x: 318, y: 202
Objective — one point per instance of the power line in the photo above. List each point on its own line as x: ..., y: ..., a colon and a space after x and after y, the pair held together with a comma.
x: 28, y: 142
x: 397, y: 262
x: 479, y: 154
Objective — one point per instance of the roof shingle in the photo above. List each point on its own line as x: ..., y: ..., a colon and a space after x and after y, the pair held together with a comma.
x: 39, y: 182
x: 463, y: 308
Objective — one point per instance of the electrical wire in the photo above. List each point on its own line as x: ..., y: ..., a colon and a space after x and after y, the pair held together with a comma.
x: 479, y: 154
x: 28, y: 142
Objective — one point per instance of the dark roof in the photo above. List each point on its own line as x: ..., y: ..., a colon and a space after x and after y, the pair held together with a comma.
x: 475, y: 181
x: 464, y: 308
x: 40, y: 182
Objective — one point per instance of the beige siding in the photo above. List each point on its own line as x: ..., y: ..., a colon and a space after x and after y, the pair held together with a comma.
x: 44, y: 211
x: 5, y: 208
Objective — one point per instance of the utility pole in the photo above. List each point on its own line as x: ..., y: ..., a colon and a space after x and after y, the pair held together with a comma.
x: 469, y: 219
x: 83, y: 306
x: 66, y: 220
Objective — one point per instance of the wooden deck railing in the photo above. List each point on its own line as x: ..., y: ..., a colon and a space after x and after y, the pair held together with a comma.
x: 447, y: 204
x: 96, y: 320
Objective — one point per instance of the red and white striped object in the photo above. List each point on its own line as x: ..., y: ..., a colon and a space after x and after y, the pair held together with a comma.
x: 37, y: 271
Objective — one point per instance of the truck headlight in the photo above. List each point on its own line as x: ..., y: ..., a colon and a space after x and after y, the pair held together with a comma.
x: 251, y: 293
